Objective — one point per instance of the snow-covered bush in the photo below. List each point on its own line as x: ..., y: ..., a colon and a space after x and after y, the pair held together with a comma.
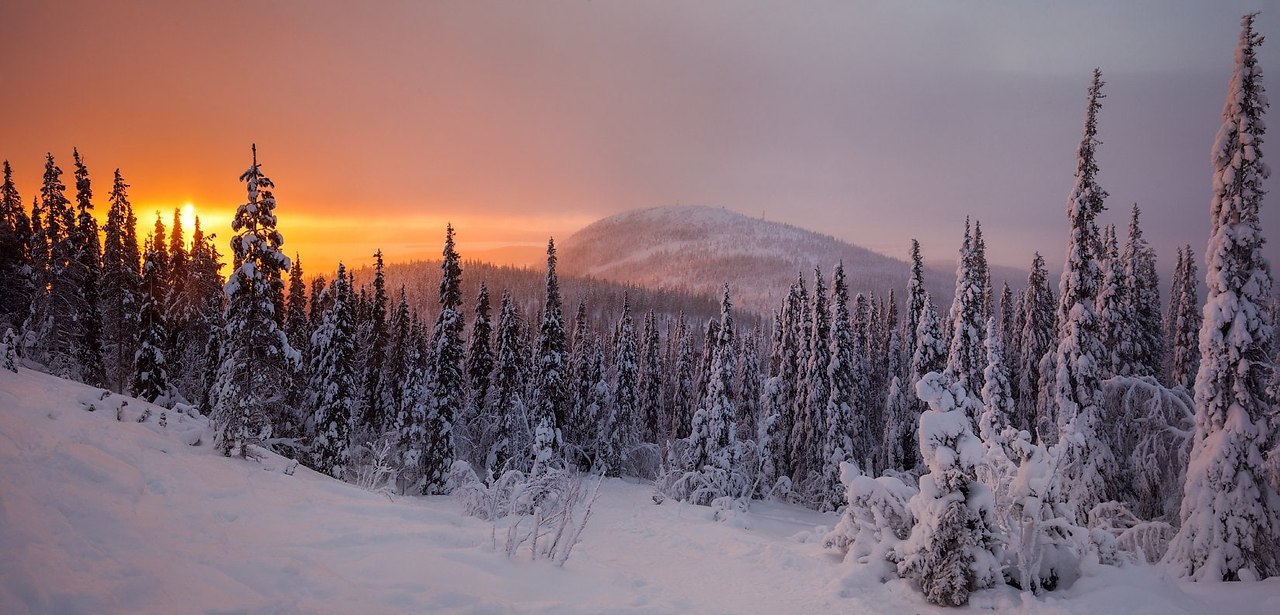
x: 1143, y: 541
x: 544, y: 513
x: 372, y: 466
x: 1154, y: 424
x: 876, y: 520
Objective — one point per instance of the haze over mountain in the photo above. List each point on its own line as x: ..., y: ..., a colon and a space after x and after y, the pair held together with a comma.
x: 696, y: 249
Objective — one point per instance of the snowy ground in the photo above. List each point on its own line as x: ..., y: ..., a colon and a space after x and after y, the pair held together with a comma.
x: 106, y: 516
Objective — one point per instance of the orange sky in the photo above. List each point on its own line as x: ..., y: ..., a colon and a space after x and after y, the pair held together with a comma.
x: 871, y: 121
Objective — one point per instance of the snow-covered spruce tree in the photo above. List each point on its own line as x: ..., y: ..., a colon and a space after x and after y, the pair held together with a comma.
x: 1230, y: 513
x: 651, y: 410
x: 479, y: 364
x: 713, y: 451
x: 48, y: 333
x: 869, y: 407
x: 204, y: 285
x: 447, y: 380
x: 1185, y: 318
x: 810, y: 424
x: 551, y: 363
x: 1037, y: 338
x: 256, y: 360
x: 16, y: 268
x: 577, y: 438
x: 682, y: 394
x: 1146, y: 356
x: 982, y: 273
x: 965, y: 358
x: 620, y: 427
x: 332, y: 394
x: 86, y: 270
x: 296, y: 326
x: 120, y: 288
x: 508, y: 448
x: 997, y: 394
x: 705, y: 359
x: 1008, y: 320
x: 400, y: 353
x: 838, y: 417
x: 1115, y: 322
x: 1084, y: 458
x: 952, y: 549
x: 915, y: 303
x: 749, y: 384
x: 151, y: 371
x: 373, y: 337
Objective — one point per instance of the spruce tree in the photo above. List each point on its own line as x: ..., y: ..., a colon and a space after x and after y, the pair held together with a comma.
x: 1146, y: 352
x: 1230, y: 513
x: 839, y: 423
x: 915, y: 300
x: 204, y: 286
x: 256, y: 359
x: 1185, y: 319
x: 447, y: 380
x: 151, y: 372
x: 332, y: 387
x: 1085, y: 459
x: 374, y: 339
x: 748, y: 384
x: 552, y: 361
x: 50, y: 328
x: 652, y: 410
x: 1115, y: 323
x: 120, y: 288
x: 682, y: 394
x: 620, y: 428
x: 810, y: 425
x: 86, y: 270
x: 16, y: 267
x: 296, y: 326
x: 1037, y: 340
x: 965, y: 359
x: 506, y: 452
x: 712, y: 442
x: 480, y: 358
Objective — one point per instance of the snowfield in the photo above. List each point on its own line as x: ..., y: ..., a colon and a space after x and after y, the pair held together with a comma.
x: 99, y: 515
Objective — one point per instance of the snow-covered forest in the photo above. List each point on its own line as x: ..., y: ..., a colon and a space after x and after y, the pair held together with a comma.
x: 1020, y: 437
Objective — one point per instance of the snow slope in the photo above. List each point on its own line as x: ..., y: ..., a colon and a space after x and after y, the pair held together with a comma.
x: 105, y: 516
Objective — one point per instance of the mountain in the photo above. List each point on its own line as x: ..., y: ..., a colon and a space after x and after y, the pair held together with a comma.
x: 697, y: 249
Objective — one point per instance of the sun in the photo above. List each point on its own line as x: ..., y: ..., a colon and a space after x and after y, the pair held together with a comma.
x: 188, y: 217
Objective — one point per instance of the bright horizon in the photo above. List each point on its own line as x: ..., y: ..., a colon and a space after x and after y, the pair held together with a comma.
x: 872, y: 122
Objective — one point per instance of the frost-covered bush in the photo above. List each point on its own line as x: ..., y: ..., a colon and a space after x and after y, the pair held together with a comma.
x: 544, y: 513
x: 876, y: 520
x: 1154, y: 424
x: 1144, y: 541
x: 372, y: 466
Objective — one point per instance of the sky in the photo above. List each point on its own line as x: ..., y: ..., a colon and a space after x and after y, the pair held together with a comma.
x: 871, y: 121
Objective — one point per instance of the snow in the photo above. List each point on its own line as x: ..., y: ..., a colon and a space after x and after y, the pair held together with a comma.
x: 99, y: 515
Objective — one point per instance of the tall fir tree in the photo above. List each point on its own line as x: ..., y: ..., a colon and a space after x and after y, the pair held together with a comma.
x: 552, y: 361
x: 839, y: 421
x: 619, y: 430
x: 1115, y: 322
x: 373, y: 416
x: 1185, y: 319
x: 151, y: 371
x: 1230, y: 513
x: 682, y: 394
x: 511, y: 424
x: 965, y: 359
x: 712, y: 442
x: 1037, y: 340
x: 247, y: 395
x: 480, y: 357
x: 87, y: 271
x: 1085, y: 459
x: 810, y: 425
x: 447, y: 380
x: 16, y: 267
x: 653, y: 411
x: 120, y: 288
x: 332, y: 383
x: 1146, y: 352
x: 915, y: 300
